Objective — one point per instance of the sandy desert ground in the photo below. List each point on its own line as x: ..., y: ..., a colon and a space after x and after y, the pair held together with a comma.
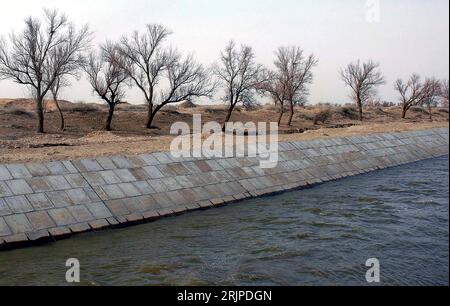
x: 84, y: 135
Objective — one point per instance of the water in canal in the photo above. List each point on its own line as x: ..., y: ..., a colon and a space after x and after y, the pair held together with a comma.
x: 318, y: 236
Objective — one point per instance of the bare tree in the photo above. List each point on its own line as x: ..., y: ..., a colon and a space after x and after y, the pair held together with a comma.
x: 59, y: 83
x: 276, y: 88
x: 363, y: 79
x: 107, y: 78
x: 145, y: 61
x: 289, y: 83
x: 411, y: 93
x: 445, y: 89
x: 148, y: 63
x: 41, y: 53
x: 414, y: 93
x: 241, y: 76
x: 432, y: 91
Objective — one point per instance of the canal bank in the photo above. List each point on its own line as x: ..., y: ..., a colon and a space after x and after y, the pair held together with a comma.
x: 314, y: 236
x: 48, y: 201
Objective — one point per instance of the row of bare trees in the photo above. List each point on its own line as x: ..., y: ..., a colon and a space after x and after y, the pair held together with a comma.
x: 49, y: 52
x: 364, y: 78
x: 242, y: 77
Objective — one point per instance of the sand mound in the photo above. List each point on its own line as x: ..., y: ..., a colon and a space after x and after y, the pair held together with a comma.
x: 4, y: 102
x: 30, y: 106
x: 187, y: 104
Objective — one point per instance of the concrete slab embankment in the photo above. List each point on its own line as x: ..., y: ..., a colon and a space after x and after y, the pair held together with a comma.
x: 47, y: 201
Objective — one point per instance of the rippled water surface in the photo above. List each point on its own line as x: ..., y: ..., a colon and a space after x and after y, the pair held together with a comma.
x: 318, y: 236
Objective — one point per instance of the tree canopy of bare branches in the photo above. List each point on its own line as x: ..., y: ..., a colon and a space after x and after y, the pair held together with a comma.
x: 42, y: 52
x: 363, y: 79
x: 187, y: 79
x: 240, y: 75
x: 289, y: 83
x: 148, y: 62
x: 107, y: 77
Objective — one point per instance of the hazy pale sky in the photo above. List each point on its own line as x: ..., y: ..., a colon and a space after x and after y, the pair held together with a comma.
x: 410, y: 36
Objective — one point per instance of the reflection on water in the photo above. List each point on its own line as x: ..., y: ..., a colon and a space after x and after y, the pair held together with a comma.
x: 319, y: 236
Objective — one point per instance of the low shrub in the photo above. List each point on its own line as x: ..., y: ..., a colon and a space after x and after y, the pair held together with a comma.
x: 302, y: 116
x: 272, y: 108
x: 132, y: 107
x: 379, y: 111
x: 187, y: 104
x: 82, y: 108
x: 170, y: 109
x: 252, y: 107
x: 17, y: 111
x: 348, y: 112
x: 323, y: 116
x: 218, y: 110
x: 419, y: 109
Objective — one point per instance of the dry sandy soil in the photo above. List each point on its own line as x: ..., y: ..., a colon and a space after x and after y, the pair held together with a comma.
x: 84, y: 137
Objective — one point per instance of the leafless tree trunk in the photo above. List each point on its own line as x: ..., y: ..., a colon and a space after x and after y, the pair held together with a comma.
x: 150, y: 117
x: 360, y: 108
x: 42, y: 52
x: 445, y: 91
x: 55, y: 89
x: 229, y: 113
x: 363, y: 80
x: 300, y: 100
x: 281, y: 113
x: 107, y: 78
x: 62, y: 126
x: 404, y: 111
x: 40, y: 112
x: 241, y: 76
x: 109, y: 119
x: 430, y: 111
x: 291, y: 115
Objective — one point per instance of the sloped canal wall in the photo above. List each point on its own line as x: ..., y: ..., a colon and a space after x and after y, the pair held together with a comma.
x: 49, y: 201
